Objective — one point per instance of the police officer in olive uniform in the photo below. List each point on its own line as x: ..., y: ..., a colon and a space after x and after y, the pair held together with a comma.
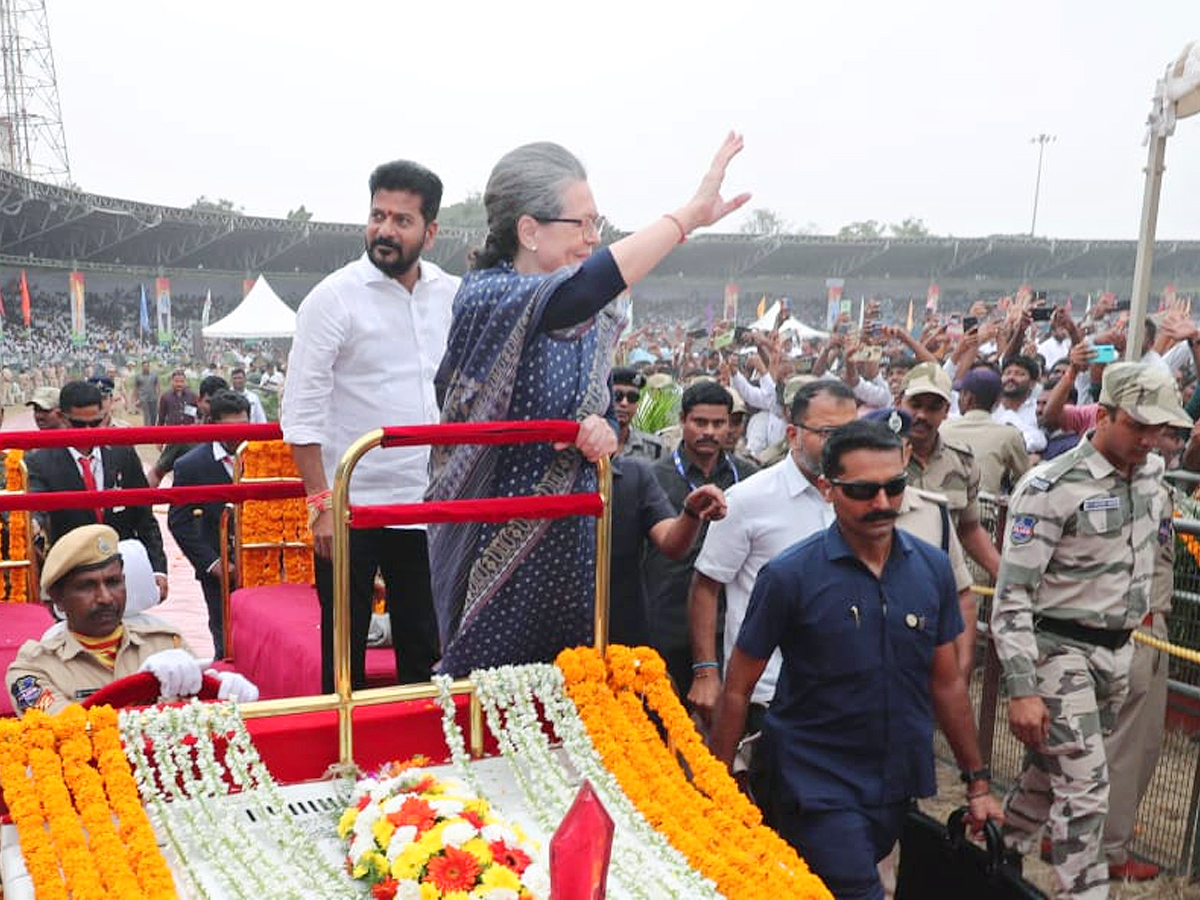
x: 947, y: 468
x: 84, y: 579
x: 1085, y: 531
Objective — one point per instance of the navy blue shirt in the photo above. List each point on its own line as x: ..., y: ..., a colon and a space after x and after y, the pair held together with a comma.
x: 851, y: 724
x: 638, y: 504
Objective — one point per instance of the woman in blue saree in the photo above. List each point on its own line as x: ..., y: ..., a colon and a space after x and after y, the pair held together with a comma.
x: 532, y: 337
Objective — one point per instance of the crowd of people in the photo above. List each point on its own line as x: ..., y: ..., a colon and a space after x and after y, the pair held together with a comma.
x: 825, y: 492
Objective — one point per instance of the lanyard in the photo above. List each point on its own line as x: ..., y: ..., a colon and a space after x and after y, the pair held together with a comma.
x: 691, y: 486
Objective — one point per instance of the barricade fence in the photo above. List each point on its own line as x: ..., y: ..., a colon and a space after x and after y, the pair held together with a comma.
x: 1167, y: 831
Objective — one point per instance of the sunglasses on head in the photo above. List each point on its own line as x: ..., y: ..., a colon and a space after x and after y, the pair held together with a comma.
x: 868, y: 490
x: 84, y: 423
x: 632, y: 396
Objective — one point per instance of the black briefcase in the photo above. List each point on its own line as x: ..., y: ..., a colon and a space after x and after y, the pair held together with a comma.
x: 937, y: 860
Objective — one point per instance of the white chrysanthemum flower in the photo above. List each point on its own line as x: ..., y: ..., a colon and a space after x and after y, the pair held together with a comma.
x: 447, y: 809
x: 496, y: 832
x: 363, y: 842
x: 367, y: 817
x: 408, y: 890
x: 401, y: 838
x: 537, y: 879
x: 499, y: 894
x: 458, y: 833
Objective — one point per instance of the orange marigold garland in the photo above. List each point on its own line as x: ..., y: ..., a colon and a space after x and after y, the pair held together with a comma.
x: 274, y: 521
x: 56, y: 795
x: 17, y: 528
x: 707, y: 818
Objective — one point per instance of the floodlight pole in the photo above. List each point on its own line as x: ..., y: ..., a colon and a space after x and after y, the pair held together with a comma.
x: 1164, y: 113
x: 1041, y: 140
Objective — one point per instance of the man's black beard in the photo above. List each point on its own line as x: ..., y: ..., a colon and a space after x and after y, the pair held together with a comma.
x: 1015, y: 393
x: 395, y: 269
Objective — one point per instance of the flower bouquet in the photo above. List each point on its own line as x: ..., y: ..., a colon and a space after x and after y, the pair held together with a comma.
x: 414, y: 837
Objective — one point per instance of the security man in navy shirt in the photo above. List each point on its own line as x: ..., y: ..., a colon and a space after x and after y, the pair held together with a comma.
x: 865, y: 617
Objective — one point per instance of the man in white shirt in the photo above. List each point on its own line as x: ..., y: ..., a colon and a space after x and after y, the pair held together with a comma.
x: 369, y: 339
x: 757, y: 526
x: 1018, y: 401
x: 237, y: 380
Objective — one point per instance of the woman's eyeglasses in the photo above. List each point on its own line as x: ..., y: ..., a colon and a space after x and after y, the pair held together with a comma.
x: 591, y: 227
x: 631, y: 396
x: 868, y: 490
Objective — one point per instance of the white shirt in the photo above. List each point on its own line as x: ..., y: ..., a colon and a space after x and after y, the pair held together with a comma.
x: 97, y: 464
x: 364, y: 356
x: 1052, y: 350
x: 757, y: 527
x: 258, y: 415
x: 765, y: 429
x: 1025, y: 418
x: 223, y: 456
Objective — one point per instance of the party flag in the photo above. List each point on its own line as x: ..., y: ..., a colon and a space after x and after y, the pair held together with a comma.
x: 762, y: 307
x: 144, y: 320
x: 207, y: 310
x: 908, y: 323
x: 25, y: 309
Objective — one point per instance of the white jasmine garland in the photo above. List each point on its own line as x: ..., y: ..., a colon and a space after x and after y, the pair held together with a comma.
x: 285, y: 866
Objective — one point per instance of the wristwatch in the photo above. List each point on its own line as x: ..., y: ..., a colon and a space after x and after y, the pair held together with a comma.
x: 984, y: 774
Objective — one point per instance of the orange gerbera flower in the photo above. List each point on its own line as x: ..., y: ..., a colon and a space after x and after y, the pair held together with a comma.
x: 455, y: 870
x: 416, y: 812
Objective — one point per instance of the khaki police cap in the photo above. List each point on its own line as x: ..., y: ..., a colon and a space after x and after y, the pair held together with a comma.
x: 792, y: 386
x: 86, y: 547
x: 45, y: 398
x: 1145, y: 392
x: 658, y: 381
x: 927, y: 378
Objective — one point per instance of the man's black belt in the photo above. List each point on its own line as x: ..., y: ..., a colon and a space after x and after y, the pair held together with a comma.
x: 1110, y: 639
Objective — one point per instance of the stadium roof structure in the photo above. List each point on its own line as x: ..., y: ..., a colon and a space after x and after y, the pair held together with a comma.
x: 44, y: 224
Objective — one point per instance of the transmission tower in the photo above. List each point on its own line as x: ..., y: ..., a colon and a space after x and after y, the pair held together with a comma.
x: 32, y: 142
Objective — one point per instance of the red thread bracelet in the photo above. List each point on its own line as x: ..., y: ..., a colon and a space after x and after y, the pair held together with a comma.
x: 683, y: 236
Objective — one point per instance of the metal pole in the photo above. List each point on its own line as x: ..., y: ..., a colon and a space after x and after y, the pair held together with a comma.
x: 1144, y: 264
x: 603, y: 552
x: 1041, y: 140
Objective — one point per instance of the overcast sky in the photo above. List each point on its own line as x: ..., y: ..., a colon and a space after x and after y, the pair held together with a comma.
x: 851, y: 110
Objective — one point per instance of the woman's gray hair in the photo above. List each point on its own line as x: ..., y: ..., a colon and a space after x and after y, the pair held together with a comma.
x: 527, y: 181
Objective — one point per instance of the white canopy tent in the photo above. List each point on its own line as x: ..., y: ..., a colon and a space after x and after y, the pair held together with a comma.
x: 790, y: 326
x: 260, y: 315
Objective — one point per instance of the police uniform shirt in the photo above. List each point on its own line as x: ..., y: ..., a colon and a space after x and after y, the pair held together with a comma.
x: 953, y: 473
x: 56, y: 671
x: 999, y: 449
x: 1081, y: 545
x: 921, y: 516
x: 852, y: 720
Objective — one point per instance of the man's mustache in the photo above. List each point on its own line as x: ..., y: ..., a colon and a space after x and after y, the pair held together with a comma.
x: 881, y: 515
x: 384, y: 242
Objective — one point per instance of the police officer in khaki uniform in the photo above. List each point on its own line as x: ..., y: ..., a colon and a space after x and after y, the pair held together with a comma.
x: 84, y: 579
x: 999, y: 448
x: 1085, y: 531
x: 949, y: 469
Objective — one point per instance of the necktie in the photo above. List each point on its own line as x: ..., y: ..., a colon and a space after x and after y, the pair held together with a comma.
x: 89, y: 481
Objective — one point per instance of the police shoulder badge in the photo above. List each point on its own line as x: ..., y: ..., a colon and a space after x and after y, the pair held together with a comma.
x: 1022, y: 529
x: 28, y: 693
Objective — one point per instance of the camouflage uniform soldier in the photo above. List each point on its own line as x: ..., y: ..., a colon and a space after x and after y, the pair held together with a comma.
x: 1075, y: 579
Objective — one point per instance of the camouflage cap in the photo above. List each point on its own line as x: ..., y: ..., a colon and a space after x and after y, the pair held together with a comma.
x: 44, y: 398
x: 927, y: 378
x: 1145, y: 392
x: 85, y: 547
x: 792, y: 385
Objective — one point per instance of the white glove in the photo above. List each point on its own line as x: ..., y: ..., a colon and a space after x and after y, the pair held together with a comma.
x: 177, y: 671
x: 234, y: 687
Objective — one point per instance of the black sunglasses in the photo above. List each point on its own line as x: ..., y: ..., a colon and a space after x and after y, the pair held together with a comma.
x: 631, y: 396
x: 85, y: 423
x: 868, y: 490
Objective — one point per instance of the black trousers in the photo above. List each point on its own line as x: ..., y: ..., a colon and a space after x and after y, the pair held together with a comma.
x: 211, y: 586
x: 401, y: 555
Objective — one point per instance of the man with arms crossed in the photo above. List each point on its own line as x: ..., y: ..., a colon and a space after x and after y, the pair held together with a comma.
x: 369, y: 339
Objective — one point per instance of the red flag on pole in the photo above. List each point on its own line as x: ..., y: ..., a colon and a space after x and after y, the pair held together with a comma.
x: 25, y: 311
x: 2, y: 312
